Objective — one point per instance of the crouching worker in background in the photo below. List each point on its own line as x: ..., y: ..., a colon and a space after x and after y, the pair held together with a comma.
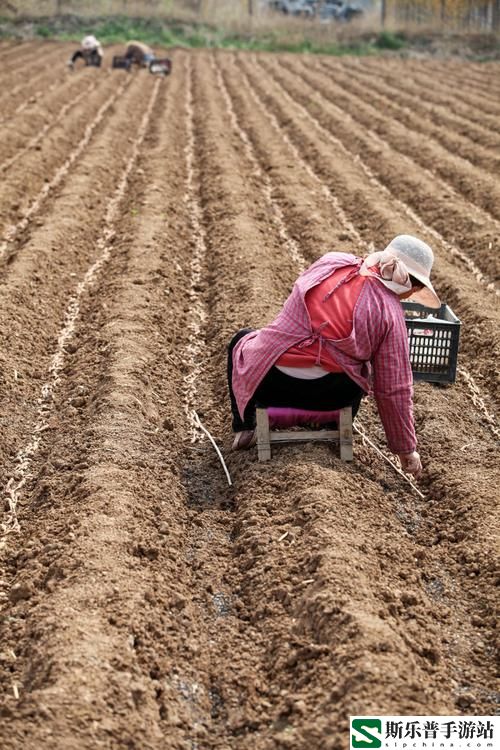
x: 90, y: 52
x: 340, y: 335
x: 139, y: 53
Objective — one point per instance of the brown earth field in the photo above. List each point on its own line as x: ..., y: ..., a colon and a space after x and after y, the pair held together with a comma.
x: 144, y: 602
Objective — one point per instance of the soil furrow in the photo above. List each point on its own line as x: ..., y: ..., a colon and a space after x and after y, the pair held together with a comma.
x: 441, y: 96
x: 315, y: 222
x: 40, y: 279
x: 483, y: 77
x: 50, y: 73
x: 14, y: 147
x: 460, y: 77
x: 290, y: 243
x: 26, y: 81
x: 23, y: 202
x: 404, y: 207
x: 78, y: 571
x: 417, y: 115
x: 23, y: 58
x: 466, y: 121
x: 392, y: 160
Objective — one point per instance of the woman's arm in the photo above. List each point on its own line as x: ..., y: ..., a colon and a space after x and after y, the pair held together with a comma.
x: 393, y: 385
x: 76, y: 55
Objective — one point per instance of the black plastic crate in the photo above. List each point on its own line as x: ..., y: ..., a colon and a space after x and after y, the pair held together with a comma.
x: 433, y: 337
x: 121, y: 62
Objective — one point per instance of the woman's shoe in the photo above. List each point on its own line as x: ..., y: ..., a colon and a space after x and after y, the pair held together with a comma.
x: 244, y: 440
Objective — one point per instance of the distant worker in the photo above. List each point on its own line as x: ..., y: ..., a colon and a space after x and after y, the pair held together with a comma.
x: 340, y: 335
x: 139, y: 53
x: 90, y: 52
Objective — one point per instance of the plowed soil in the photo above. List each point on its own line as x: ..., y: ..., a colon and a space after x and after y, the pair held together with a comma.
x: 145, y: 603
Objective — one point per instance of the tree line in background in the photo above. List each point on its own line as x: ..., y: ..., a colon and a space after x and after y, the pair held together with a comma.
x: 453, y: 15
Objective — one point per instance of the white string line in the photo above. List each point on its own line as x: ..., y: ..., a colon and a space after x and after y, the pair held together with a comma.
x: 404, y: 207
x: 432, y: 175
x: 25, y: 455
x: 290, y: 244
x: 14, y: 230
x: 198, y: 422
x: 48, y: 125
x: 365, y: 439
x: 196, y: 344
x: 480, y: 401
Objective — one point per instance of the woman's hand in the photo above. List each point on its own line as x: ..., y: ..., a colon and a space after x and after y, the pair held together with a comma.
x: 411, y: 463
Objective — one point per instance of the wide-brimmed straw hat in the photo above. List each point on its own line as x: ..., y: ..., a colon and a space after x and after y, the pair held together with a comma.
x: 417, y: 258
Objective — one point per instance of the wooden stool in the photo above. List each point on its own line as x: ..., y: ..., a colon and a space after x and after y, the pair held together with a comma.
x: 266, y: 437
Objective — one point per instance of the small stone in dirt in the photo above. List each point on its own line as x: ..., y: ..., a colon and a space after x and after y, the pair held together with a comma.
x: 168, y: 424
x: 300, y: 707
x: 464, y: 701
x: 19, y: 592
x: 138, y: 693
x: 71, y: 348
x: 179, y: 602
x: 151, y: 553
x: 163, y: 529
x: 409, y: 600
x: 78, y: 401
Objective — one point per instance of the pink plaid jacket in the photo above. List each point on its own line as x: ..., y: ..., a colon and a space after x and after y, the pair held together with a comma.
x: 375, y: 354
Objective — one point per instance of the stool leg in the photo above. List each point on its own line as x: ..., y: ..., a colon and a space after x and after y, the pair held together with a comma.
x: 345, y: 429
x: 263, y: 441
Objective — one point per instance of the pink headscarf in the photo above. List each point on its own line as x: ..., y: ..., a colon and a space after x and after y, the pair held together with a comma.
x: 389, y: 269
